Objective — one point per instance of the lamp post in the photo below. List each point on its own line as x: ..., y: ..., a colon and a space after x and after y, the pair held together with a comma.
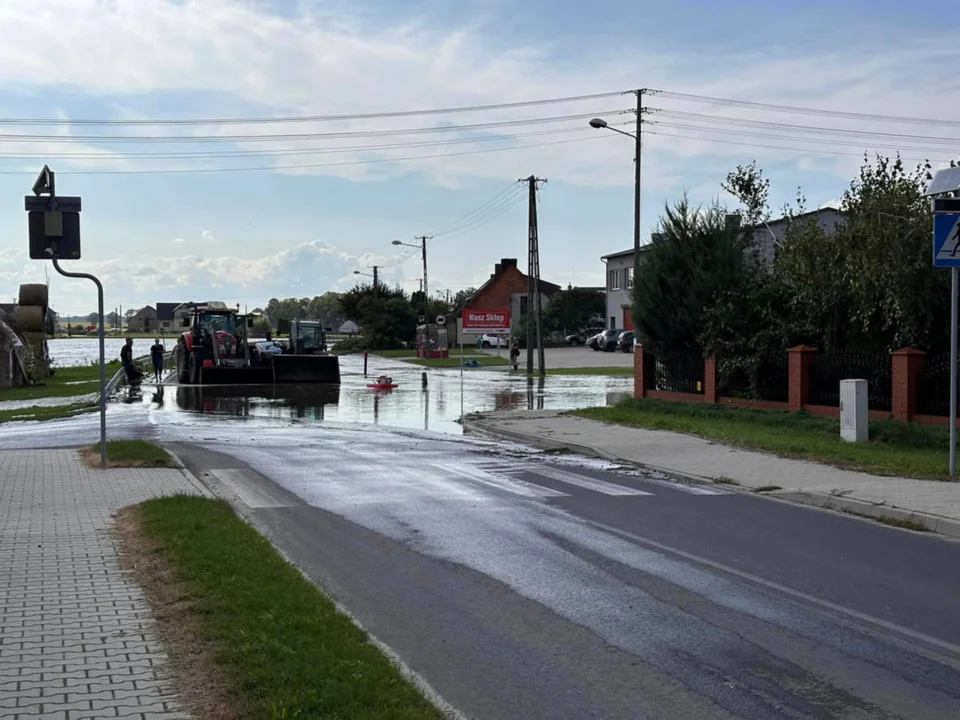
x: 423, y: 248
x: 600, y: 123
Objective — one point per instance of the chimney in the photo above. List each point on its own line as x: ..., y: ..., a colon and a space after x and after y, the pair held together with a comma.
x: 497, y: 268
x: 508, y: 262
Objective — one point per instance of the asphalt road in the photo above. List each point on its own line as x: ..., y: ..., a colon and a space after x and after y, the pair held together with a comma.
x: 522, y: 585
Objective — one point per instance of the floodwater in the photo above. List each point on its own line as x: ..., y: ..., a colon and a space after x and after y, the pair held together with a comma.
x: 73, y: 352
x: 448, y: 395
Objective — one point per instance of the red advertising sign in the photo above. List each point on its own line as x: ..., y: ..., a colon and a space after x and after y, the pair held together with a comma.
x: 486, y: 321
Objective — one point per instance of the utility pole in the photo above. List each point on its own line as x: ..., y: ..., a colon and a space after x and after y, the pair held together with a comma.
x: 376, y: 283
x: 534, y: 306
x: 423, y: 246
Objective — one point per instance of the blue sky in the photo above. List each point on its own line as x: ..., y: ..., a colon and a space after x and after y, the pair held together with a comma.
x: 245, y: 236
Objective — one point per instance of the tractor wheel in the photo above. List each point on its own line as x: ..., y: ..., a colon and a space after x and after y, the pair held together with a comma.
x: 183, y: 370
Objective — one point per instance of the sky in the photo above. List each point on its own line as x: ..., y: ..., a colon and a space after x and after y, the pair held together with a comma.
x: 242, y: 212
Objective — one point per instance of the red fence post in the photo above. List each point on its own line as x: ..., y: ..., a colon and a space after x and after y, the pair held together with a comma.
x: 908, y: 366
x: 710, y: 380
x: 801, y: 360
x: 639, y: 375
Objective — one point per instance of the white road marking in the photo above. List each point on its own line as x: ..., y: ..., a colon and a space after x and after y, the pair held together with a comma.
x: 693, y: 489
x: 488, y: 477
x: 249, y: 490
x: 583, y: 481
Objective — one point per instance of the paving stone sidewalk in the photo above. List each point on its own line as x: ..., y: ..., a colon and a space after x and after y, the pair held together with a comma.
x: 76, y: 638
x: 934, y: 504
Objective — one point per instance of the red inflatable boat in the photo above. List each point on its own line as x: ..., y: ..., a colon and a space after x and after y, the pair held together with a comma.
x: 383, y: 382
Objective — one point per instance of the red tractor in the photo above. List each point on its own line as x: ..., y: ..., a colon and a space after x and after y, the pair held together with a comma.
x: 214, y: 350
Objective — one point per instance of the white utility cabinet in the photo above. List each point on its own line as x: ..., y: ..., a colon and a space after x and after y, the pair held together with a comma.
x: 854, y: 411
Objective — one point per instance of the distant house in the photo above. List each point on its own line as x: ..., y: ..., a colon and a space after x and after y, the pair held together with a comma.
x: 166, y: 322
x: 505, y: 290
x: 144, y: 321
x: 349, y: 328
x: 768, y: 236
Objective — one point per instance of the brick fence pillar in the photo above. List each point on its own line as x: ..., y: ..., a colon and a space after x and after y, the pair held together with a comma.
x: 710, y: 380
x: 639, y: 373
x: 908, y: 366
x: 801, y: 360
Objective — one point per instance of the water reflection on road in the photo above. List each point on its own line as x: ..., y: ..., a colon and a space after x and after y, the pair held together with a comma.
x: 437, y: 407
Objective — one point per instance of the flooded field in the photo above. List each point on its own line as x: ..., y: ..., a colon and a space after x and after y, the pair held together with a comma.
x: 447, y: 396
x: 72, y: 352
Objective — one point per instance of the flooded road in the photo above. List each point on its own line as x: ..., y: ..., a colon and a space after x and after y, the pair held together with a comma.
x: 524, y: 584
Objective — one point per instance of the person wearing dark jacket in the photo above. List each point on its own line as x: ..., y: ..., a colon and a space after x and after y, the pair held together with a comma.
x: 126, y: 359
x: 156, y: 355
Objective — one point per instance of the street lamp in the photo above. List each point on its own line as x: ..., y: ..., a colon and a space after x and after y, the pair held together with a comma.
x: 423, y: 248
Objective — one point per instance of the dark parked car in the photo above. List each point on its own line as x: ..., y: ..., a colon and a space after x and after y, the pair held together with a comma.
x: 625, y: 341
x: 580, y: 338
x: 606, y: 341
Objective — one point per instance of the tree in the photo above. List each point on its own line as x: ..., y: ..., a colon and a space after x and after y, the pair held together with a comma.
x: 696, y: 256
x: 130, y: 312
x: 462, y: 296
x: 574, y: 310
x: 748, y: 185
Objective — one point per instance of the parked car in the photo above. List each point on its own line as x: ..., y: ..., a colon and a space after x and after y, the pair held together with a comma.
x: 494, y: 341
x: 606, y: 341
x: 580, y: 338
x: 625, y: 341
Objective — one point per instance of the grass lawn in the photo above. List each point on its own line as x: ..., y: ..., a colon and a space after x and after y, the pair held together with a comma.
x: 244, y: 628
x: 44, y: 413
x: 906, y: 449
x: 404, y: 353
x: 66, y: 382
x: 615, y: 371
x: 130, y: 453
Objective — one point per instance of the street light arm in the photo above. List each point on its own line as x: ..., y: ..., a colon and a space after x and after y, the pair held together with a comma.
x: 622, y: 132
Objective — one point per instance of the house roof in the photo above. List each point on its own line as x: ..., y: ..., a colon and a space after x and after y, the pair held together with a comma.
x: 788, y: 218
x: 547, y: 288
x: 140, y: 312
x: 165, y: 310
x: 624, y: 253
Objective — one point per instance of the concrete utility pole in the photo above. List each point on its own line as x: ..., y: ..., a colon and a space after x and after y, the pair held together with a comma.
x: 376, y: 282
x: 534, y: 306
x: 423, y: 245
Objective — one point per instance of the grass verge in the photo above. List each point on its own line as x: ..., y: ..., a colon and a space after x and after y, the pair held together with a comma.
x: 66, y: 382
x: 55, y: 412
x: 613, y: 371
x: 247, y: 635
x: 906, y: 449
x: 130, y: 453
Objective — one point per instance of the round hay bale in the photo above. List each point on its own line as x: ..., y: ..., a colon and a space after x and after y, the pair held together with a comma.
x: 35, y: 294
x: 30, y: 318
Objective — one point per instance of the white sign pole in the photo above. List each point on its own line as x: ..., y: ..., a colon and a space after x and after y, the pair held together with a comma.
x: 953, y: 372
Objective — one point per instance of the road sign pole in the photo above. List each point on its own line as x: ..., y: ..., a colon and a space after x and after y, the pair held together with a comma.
x: 103, y: 354
x: 954, y: 290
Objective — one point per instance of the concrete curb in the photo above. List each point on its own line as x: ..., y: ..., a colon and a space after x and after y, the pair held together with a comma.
x: 932, y: 523
x: 191, y: 478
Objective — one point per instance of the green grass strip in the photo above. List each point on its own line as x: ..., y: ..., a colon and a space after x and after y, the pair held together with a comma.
x: 284, y: 648
x: 133, y: 453
x: 894, y: 448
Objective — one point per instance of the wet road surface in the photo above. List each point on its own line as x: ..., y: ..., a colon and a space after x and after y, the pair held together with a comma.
x: 522, y: 584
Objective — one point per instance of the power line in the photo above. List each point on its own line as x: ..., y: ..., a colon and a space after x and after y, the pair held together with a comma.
x: 789, y: 138
x: 493, y: 206
x: 782, y: 147
x: 177, y: 171
x: 767, y: 124
x: 286, y: 137
x: 491, y: 214
x: 771, y: 107
x: 295, y: 151
x: 313, y: 118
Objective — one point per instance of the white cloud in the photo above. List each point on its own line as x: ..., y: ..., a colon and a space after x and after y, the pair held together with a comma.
x: 321, y: 60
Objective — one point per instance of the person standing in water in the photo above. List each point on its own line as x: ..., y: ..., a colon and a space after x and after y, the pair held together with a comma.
x: 156, y: 355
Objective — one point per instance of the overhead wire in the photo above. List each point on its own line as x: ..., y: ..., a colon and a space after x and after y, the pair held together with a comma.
x: 286, y: 137
x: 773, y: 107
x: 312, y: 118
x: 307, y: 166
x: 492, y: 207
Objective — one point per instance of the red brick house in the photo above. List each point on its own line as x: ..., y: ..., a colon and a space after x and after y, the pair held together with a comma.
x: 505, y: 290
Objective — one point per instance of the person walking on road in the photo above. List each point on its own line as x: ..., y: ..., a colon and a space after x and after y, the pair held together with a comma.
x: 156, y: 355
x: 514, y: 355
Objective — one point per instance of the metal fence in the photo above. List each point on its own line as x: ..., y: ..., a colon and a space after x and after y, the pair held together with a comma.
x: 933, y: 388
x: 679, y: 372
x: 829, y: 369
x: 768, y: 379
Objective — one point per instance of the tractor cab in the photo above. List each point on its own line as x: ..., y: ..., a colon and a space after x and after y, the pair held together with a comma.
x: 215, y: 336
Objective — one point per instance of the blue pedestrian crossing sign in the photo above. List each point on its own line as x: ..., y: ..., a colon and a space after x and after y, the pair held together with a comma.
x: 946, y: 240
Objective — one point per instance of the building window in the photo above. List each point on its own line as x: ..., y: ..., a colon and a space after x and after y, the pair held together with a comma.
x: 613, y: 280
x: 613, y: 323
x: 523, y: 305
x: 628, y: 275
